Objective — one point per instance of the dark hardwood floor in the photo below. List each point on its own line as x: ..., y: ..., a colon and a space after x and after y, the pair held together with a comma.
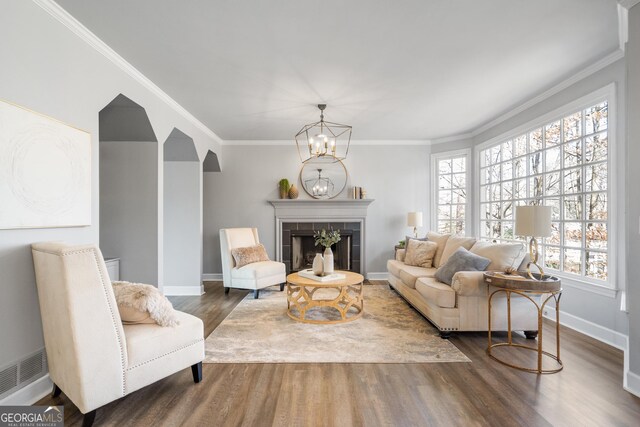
x: 588, y: 392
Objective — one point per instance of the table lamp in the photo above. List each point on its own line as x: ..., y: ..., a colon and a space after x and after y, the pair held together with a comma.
x: 414, y: 219
x: 533, y: 221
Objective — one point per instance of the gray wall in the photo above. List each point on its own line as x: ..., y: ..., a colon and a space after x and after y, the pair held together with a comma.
x: 633, y: 198
x: 50, y: 70
x: 397, y: 177
x: 601, y: 310
x: 129, y: 208
x: 182, y: 224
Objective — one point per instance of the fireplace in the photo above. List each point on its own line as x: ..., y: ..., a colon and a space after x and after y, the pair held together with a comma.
x: 298, y: 245
x: 304, y: 250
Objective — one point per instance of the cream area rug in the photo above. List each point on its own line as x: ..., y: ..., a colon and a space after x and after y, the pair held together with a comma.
x: 390, y: 331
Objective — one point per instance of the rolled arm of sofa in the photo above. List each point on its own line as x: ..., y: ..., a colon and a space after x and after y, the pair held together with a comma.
x: 469, y: 283
x: 400, y: 255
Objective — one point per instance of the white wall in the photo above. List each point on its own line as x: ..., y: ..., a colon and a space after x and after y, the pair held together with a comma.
x: 49, y: 69
x: 397, y: 177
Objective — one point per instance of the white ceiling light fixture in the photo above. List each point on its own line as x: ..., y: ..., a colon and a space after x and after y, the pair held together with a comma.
x: 323, y: 138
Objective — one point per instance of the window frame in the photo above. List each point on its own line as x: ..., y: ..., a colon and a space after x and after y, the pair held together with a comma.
x: 467, y: 153
x: 615, y: 177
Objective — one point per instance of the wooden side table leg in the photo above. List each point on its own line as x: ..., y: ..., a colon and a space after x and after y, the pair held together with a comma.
x: 489, y: 324
x: 509, y: 317
x: 558, y: 326
x: 539, y: 339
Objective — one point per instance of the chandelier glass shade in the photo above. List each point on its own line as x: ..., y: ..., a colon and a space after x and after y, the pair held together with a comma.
x: 323, y: 138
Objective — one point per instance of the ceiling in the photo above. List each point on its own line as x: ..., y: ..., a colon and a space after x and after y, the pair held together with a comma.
x: 395, y: 70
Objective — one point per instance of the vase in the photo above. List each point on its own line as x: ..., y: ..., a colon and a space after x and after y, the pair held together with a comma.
x: 328, y: 261
x: 318, y: 265
x: 293, y: 192
x: 283, y: 193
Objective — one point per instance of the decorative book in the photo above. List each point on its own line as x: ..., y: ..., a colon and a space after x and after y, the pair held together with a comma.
x: 308, y: 274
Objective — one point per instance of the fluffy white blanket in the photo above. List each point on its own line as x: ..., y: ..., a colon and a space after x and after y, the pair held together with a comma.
x: 146, y: 298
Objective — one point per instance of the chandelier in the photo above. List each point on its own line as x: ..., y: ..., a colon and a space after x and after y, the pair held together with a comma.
x: 320, y: 186
x: 323, y: 138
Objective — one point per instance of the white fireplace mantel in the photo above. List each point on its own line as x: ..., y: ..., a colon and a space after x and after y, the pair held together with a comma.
x: 311, y: 210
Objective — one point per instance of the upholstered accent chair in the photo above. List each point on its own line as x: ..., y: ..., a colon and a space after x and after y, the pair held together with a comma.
x: 93, y: 358
x: 255, y: 276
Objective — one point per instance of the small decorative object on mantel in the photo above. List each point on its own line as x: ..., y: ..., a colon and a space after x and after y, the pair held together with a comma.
x: 293, y: 192
x: 284, y: 187
x: 326, y: 239
x: 358, y: 193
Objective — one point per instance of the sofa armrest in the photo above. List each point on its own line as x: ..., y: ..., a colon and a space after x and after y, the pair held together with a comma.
x: 400, y: 254
x: 469, y: 283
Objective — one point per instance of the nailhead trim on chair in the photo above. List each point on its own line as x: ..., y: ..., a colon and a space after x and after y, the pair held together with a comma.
x: 166, y: 354
x: 113, y: 318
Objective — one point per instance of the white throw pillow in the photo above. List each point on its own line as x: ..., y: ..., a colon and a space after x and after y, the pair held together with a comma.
x: 502, y: 255
x: 420, y: 253
x: 140, y: 303
x: 453, y: 243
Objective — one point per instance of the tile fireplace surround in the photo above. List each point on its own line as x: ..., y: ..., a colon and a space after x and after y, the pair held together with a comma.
x: 302, y: 214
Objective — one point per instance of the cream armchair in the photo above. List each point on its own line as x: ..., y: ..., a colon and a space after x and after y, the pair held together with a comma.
x: 255, y: 276
x: 92, y: 356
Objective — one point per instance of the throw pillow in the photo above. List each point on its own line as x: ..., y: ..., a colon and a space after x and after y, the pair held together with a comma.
x: 249, y: 255
x: 502, y: 255
x: 441, y: 240
x: 461, y: 260
x: 420, y: 253
x: 140, y: 303
x: 406, y: 240
x: 453, y: 243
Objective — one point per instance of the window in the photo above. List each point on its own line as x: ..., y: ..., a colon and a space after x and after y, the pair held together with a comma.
x: 562, y: 164
x: 450, y: 182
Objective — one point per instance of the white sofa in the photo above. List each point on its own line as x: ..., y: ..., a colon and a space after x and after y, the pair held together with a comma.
x: 93, y: 358
x: 463, y: 306
x: 254, y: 276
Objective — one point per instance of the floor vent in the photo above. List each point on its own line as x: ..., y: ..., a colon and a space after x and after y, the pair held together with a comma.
x: 22, y: 372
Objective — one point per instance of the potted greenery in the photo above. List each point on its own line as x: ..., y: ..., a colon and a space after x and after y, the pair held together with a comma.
x: 283, y: 185
x: 325, y: 239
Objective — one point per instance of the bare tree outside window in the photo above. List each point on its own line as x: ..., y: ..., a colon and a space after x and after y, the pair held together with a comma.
x: 563, y: 164
x: 451, y: 194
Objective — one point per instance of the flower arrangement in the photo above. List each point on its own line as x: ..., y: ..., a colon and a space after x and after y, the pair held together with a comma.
x: 326, y: 238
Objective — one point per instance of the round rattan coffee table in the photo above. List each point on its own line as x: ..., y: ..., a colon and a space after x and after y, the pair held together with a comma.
x: 349, y: 301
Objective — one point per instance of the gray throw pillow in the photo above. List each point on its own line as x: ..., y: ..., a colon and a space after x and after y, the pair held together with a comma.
x: 406, y: 240
x: 461, y: 260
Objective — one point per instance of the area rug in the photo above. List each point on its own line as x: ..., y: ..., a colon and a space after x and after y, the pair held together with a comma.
x: 390, y: 331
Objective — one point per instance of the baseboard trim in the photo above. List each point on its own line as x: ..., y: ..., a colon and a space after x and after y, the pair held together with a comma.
x: 183, y: 290
x: 632, y: 383
x: 593, y: 330
x: 212, y: 277
x: 377, y: 276
x: 29, y: 394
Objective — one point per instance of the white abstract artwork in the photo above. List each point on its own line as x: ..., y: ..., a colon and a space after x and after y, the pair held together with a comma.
x: 45, y: 171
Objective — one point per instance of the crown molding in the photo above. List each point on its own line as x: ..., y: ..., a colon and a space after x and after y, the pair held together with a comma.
x: 452, y: 138
x: 628, y: 4
x: 364, y: 142
x: 64, y: 17
x: 583, y: 73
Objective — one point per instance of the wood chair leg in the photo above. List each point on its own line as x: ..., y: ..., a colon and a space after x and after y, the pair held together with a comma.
x: 89, y: 418
x: 226, y: 290
x: 445, y: 335
x: 281, y: 287
x: 196, y: 370
x: 256, y: 294
x: 56, y: 391
x: 531, y: 335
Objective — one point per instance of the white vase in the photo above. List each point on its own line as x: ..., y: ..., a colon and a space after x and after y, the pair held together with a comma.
x: 328, y: 261
x: 318, y: 266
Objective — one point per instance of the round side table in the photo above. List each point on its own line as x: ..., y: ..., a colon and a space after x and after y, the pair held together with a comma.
x: 549, y: 288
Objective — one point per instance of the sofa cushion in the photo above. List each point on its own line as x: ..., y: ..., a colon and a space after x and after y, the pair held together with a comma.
x: 394, y: 266
x: 441, y: 240
x: 453, y: 243
x: 435, y: 292
x: 407, y: 238
x: 461, y: 260
x: 420, y: 253
x: 502, y: 255
x: 409, y: 274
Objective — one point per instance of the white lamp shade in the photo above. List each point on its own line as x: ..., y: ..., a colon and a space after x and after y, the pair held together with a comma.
x: 534, y: 221
x: 414, y: 219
